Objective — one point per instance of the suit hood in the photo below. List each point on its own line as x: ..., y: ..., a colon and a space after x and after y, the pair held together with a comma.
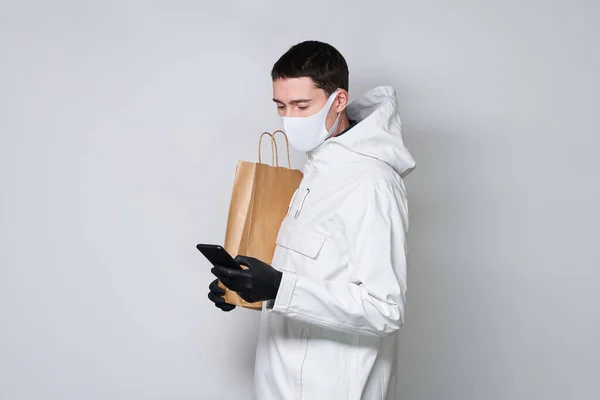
x: 378, y: 132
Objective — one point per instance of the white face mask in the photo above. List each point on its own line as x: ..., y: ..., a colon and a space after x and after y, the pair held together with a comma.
x: 306, y: 133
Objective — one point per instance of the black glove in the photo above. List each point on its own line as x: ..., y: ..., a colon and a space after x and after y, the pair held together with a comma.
x: 216, y: 296
x: 257, y: 283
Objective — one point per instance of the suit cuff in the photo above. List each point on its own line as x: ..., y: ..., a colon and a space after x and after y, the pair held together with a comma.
x: 285, y: 292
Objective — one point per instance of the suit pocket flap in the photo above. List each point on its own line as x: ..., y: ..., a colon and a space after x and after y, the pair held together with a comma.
x: 301, y: 240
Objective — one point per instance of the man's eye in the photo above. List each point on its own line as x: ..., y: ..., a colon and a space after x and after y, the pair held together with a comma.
x: 303, y: 107
x: 280, y: 107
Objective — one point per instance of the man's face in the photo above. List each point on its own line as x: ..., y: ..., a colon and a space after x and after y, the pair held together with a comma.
x: 299, y: 97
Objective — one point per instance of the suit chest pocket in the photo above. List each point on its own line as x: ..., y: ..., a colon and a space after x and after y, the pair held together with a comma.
x: 298, y: 247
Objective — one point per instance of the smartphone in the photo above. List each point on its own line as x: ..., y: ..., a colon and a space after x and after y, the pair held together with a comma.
x: 217, y: 255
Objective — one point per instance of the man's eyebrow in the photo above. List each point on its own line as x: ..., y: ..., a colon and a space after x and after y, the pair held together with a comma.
x: 294, y: 101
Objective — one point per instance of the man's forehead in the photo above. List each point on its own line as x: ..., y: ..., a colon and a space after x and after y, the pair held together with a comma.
x: 291, y: 89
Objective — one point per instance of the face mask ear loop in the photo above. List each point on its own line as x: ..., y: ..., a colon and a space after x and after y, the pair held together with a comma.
x: 336, y: 123
x: 335, y: 126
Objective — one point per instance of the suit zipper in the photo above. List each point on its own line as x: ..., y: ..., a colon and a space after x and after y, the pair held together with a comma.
x: 299, y: 210
x: 292, y: 202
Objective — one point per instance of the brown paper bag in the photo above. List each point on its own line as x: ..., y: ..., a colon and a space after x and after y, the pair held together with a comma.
x: 259, y: 201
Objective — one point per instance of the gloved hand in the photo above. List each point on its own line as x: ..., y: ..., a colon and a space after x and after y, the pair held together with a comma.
x: 216, y: 296
x: 257, y: 283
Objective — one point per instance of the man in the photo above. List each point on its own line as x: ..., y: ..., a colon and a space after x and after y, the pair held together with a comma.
x: 335, y: 294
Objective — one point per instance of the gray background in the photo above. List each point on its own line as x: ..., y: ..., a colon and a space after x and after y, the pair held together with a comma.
x: 121, y: 123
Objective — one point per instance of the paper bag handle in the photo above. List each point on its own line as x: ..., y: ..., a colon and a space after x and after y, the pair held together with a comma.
x: 287, y: 146
x: 274, y: 156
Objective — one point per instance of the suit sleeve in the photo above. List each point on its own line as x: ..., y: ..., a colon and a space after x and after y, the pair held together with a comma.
x: 371, y: 301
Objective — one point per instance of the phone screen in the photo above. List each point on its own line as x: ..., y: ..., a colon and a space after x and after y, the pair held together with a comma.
x: 217, y: 255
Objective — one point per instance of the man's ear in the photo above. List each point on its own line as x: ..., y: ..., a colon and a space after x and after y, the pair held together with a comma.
x: 342, y: 100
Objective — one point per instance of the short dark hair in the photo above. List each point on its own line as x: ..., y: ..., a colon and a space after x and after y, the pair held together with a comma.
x: 317, y: 60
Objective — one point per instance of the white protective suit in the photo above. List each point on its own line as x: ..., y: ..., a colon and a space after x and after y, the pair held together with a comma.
x: 330, y: 332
